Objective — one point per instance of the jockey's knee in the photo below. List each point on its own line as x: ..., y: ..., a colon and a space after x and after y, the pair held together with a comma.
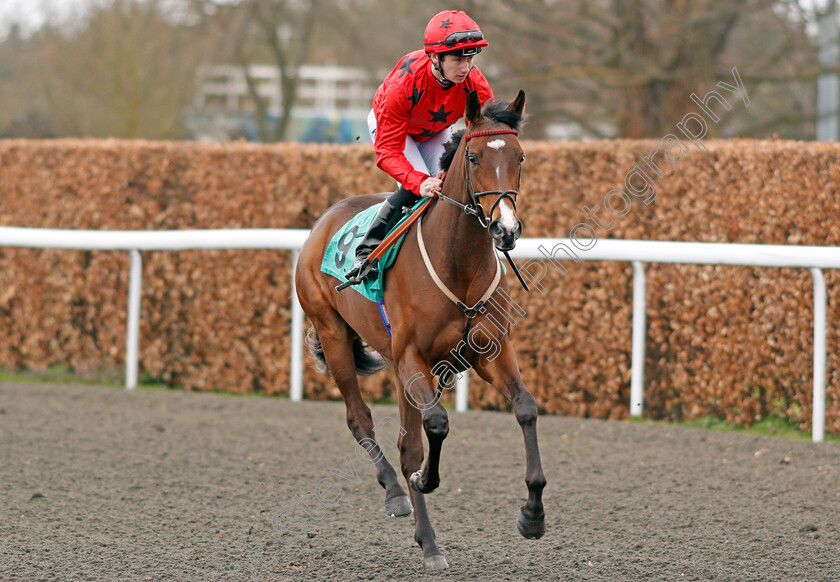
x: 402, y: 197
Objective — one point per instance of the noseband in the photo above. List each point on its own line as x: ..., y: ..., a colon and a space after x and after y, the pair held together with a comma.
x: 475, y: 208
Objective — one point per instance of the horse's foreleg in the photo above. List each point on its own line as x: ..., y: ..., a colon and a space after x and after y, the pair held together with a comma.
x: 419, y: 392
x: 503, y: 374
x: 411, y: 457
x: 337, y: 342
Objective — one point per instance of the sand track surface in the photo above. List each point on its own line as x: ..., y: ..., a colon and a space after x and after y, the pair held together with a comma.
x: 103, y: 484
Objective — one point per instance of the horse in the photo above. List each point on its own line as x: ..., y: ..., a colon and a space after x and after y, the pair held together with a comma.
x: 433, y: 331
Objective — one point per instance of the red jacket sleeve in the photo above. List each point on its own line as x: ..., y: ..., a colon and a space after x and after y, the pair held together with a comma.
x: 391, y: 133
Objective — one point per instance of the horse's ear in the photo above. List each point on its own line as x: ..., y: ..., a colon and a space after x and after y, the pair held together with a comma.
x: 473, y: 109
x: 518, y: 104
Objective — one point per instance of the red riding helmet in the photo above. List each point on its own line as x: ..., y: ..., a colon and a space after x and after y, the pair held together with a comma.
x: 453, y: 30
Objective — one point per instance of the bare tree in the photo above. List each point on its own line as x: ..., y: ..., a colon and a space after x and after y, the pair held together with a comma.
x: 282, y: 32
x: 629, y: 66
x: 610, y: 67
x: 127, y: 71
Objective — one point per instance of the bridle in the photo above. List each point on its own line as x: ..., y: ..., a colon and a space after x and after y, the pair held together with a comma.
x: 475, y: 208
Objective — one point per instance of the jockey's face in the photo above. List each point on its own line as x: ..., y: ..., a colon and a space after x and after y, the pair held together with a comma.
x: 456, y: 68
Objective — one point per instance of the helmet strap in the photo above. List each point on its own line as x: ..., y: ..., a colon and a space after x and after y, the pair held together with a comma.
x: 445, y: 83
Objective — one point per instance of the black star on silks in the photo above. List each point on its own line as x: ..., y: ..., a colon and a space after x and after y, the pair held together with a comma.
x: 415, y: 97
x: 446, y: 24
x: 427, y: 133
x: 406, y: 67
x: 440, y: 115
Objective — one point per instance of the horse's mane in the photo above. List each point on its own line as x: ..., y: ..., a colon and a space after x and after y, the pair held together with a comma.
x: 497, y: 112
x: 449, y: 149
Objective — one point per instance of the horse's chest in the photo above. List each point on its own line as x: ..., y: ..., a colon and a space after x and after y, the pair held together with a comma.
x: 466, y: 343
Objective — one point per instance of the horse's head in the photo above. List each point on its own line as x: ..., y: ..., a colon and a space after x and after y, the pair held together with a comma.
x: 493, y: 165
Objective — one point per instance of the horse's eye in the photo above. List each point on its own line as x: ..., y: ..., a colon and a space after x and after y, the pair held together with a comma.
x: 473, y: 159
x: 521, y: 158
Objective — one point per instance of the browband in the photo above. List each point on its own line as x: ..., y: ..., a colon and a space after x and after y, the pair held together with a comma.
x: 490, y: 132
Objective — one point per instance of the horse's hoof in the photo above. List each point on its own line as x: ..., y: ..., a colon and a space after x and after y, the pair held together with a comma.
x: 434, y: 563
x: 532, y: 529
x: 398, y: 506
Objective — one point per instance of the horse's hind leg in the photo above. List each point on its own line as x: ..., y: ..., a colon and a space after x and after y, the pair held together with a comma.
x: 337, y: 343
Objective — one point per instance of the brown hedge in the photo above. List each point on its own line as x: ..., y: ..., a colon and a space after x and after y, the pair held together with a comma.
x: 729, y: 341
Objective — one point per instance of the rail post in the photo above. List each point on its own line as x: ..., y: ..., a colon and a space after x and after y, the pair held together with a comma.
x: 132, y: 344
x: 296, y: 373
x: 637, y: 361
x: 462, y: 392
x: 818, y: 412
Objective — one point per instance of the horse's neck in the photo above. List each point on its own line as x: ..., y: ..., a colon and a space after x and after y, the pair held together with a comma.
x: 459, y: 248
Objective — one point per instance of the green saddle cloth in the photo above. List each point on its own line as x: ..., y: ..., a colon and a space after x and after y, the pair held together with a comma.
x: 341, y: 252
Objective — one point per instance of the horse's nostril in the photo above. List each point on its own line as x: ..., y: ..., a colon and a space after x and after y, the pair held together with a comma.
x: 495, y: 230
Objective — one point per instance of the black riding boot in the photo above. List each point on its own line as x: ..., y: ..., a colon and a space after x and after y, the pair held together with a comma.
x: 389, y: 215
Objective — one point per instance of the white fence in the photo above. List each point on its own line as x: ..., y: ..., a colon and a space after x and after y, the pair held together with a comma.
x: 636, y: 252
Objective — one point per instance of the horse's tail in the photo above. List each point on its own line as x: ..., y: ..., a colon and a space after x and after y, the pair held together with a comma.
x: 316, y: 350
x: 367, y: 361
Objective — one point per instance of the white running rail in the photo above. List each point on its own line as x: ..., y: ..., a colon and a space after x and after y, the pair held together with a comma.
x: 635, y: 252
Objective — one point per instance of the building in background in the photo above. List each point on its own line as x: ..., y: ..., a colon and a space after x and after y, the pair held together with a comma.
x: 331, y: 106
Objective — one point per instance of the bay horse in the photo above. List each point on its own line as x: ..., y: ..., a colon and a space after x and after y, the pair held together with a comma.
x: 428, y: 328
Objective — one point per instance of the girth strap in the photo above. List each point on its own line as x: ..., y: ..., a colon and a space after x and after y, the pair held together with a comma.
x: 470, y: 312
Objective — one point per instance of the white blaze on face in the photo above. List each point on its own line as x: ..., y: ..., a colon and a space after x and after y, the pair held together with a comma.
x: 497, y: 144
x: 508, y: 218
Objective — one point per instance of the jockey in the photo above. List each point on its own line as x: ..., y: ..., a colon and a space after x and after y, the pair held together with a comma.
x: 412, y: 117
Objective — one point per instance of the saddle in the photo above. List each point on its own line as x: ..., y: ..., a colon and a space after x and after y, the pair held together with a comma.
x: 341, y: 250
